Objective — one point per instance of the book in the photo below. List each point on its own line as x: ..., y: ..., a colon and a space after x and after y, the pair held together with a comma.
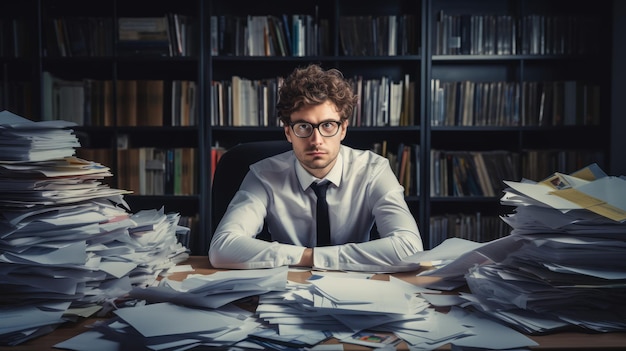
x: 188, y: 172
x: 150, y: 102
x: 404, y: 175
x: 107, y: 103
x: 127, y: 103
x: 170, y: 169
x: 144, y: 36
x: 129, y: 166
x: 178, y: 171
x: 216, y: 154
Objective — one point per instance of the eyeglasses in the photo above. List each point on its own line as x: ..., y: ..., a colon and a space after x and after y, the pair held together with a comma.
x: 305, y: 129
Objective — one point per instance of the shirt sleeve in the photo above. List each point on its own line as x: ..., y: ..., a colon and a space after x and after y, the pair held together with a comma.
x: 399, y: 234
x: 234, y: 245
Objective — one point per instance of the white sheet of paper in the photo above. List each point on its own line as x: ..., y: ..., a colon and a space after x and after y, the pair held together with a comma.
x: 90, y: 339
x: 440, y: 300
x: 611, y: 190
x: 374, y: 296
x: 168, y: 319
x: 488, y: 334
x: 117, y: 269
x: 540, y: 193
x: 433, y: 327
x: 16, y: 318
x: 181, y: 268
x: 449, y: 249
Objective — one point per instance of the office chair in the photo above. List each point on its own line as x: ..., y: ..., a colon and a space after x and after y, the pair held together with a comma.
x: 232, y: 168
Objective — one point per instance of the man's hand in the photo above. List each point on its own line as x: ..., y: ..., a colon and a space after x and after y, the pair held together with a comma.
x: 307, y: 258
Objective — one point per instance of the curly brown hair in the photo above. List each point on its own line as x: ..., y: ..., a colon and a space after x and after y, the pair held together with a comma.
x: 313, y: 85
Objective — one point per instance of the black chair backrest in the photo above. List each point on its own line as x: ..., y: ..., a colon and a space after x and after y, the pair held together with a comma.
x: 233, y: 167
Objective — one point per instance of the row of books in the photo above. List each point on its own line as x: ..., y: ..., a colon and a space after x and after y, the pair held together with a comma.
x: 285, y: 35
x: 157, y: 171
x: 481, y: 173
x: 472, y: 173
x: 241, y: 101
x: 308, y: 35
x: 465, y: 34
x: 476, y: 227
x: 244, y: 102
x: 168, y: 35
x: 474, y: 35
x: 385, y: 35
x: 92, y: 102
x: 14, y: 41
x: 404, y: 160
x: 384, y: 102
x: 549, y: 103
x: 78, y: 37
x: 537, y: 163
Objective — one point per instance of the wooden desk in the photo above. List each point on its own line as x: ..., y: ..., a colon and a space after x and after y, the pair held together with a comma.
x: 557, y: 341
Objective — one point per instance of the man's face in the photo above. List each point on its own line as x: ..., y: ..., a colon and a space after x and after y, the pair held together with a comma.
x: 317, y: 153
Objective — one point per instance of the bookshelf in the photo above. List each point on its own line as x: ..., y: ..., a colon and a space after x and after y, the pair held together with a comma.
x: 471, y: 81
x: 130, y: 75
x: 527, y: 78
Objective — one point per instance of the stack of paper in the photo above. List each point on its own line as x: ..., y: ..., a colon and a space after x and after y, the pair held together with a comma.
x: 337, y: 305
x: 215, y: 290
x: 166, y: 326
x: 451, y: 259
x: 22, y: 140
x: 194, y: 312
x: 65, y: 236
x: 53, y: 182
x: 565, y: 262
x: 293, y: 316
x: 373, y: 313
x: 331, y: 303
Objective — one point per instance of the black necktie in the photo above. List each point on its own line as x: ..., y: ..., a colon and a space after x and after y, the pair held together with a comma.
x: 323, y: 222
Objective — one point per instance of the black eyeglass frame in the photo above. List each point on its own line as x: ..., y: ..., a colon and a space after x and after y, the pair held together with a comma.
x: 316, y: 126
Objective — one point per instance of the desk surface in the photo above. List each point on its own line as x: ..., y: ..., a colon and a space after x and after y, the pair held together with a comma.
x: 557, y: 341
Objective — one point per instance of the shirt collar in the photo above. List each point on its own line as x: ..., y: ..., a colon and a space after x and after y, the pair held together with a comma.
x: 334, y: 176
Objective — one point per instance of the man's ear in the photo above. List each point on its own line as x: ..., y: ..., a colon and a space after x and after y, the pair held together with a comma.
x: 344, y: 128
x: 287, y: 133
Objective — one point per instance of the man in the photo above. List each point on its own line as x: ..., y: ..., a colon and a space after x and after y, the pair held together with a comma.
x: 314, y: 106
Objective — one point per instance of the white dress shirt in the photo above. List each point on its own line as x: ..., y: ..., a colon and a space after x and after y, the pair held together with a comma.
x: 363, y: 191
